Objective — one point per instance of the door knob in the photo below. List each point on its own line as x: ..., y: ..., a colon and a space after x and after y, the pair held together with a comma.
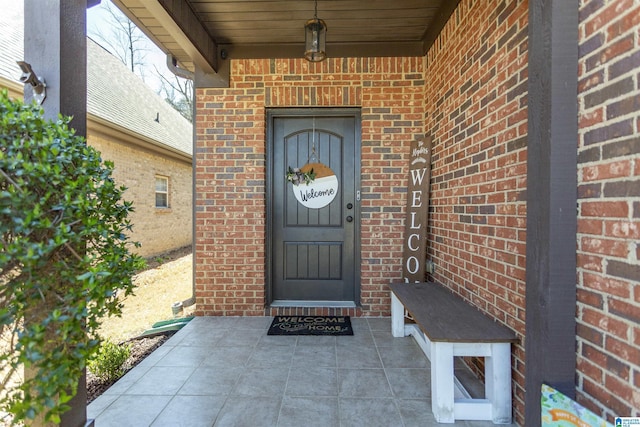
x: 349, y: 218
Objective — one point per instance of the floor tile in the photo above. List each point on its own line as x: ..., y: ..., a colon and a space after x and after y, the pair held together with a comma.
x: 316, y: 340
x: 369, y: 412
x: 249, y: 411
x: 312, y: 381
x: 228, y: 357
x: 379, y: 323
x: 184, y: 356
x: 260, y: 323
x: 360, y: 324
x: 309, y: 412
x: 211, y: 381
x: 262, y: 382
x: 403, y: 357
x: 161, y: 380
x: 363, y: 383
x: 190, y: 411
x: 154, y: 357
x: 385, y: 339
x: 410, y: 383
x: 240, y: 337
x: 132, y: 411
x: 208, y: 337
x: 315, y: 355
x: 358, y: 338
x: 272, y: 355
x: 129, y: 379
x: 100, y: 404
x: 358, y: 357
x: 282, y: 340
x: 417, y: 413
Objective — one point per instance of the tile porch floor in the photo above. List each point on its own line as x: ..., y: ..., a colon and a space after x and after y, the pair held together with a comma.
x: 226, y: 371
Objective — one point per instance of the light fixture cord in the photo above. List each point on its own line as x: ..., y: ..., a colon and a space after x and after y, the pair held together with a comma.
x: 315, y: 14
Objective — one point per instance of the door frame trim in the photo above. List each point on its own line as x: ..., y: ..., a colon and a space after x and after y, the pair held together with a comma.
x: 271, y: 114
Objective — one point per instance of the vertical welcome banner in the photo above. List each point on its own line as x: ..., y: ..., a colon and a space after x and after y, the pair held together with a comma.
x: 415, y: 230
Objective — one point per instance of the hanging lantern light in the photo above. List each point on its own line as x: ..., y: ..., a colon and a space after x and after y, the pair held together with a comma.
x: 315, y: 38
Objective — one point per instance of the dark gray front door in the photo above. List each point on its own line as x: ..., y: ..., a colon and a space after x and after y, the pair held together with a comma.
x: 314, y: 253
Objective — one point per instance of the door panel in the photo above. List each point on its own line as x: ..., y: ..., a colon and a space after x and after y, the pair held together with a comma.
x: 313, y: 252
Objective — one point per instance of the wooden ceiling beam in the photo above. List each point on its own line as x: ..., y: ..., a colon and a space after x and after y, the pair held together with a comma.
x: 177, y: 17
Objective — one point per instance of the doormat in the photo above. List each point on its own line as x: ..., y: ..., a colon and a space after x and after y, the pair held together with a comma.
x: 311, y: 325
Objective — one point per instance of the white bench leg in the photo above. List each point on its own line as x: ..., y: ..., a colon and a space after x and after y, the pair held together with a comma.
x: 442, y: 384
x: 397, y: 317
x: 498, y: 382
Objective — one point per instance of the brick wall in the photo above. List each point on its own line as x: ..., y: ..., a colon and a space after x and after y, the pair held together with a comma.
x: 609, y: 208
x: 230, y: 170
x: 470, y: 94
x: 476, y: 110
x: 158, y: 230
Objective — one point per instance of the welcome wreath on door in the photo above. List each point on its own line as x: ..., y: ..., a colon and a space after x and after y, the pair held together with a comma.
x: 315, y: 185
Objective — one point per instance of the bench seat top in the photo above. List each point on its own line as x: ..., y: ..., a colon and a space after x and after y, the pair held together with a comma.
x: 445, y: 317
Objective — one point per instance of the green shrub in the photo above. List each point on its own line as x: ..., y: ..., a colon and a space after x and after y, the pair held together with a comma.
x: 108, y: 362
x: 64, y: 254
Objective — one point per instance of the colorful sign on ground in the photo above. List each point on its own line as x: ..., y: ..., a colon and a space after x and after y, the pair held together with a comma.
x: 559, y: 410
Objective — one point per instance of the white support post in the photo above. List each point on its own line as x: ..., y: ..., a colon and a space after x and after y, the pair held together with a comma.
x: 498, y: 382
x: 397, y: 317
x: 442, y: 397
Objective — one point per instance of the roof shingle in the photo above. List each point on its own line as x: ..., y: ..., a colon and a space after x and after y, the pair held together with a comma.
x: 114, y: 93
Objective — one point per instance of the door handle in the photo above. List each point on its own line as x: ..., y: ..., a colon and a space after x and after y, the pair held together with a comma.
x: 349, y: 218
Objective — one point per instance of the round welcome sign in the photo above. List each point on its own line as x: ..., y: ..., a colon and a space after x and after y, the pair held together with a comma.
x: 321, y: 191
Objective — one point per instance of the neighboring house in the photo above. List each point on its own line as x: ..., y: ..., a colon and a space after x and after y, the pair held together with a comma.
x: 147, y: 140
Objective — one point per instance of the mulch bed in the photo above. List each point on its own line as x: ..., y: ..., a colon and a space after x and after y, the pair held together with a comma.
x: 140, y: 348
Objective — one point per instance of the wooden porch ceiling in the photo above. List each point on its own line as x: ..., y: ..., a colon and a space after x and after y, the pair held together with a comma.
x: 204, y: 32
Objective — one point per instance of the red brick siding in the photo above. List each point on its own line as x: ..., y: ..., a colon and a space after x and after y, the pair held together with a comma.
x: 608, y: 342
x: 476, y: 110
x: 230, y: 171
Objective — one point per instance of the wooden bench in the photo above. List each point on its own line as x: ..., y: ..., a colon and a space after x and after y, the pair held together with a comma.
x: 446, y: 326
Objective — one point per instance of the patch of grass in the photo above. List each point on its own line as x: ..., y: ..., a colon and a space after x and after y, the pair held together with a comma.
x: 157, y: 289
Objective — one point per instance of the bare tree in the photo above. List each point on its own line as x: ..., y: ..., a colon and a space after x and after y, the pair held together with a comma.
x: 178, y: 92
x: 128, y: 43
x: 124, y: 39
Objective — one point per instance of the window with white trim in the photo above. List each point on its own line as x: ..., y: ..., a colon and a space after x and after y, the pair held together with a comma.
x: 162, y: 191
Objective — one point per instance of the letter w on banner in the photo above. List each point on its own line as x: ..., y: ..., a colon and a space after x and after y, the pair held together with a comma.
x: 415, y: 230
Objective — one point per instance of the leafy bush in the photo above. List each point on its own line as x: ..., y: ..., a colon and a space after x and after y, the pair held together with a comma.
x: 108, y: 362
x: 64, y: 254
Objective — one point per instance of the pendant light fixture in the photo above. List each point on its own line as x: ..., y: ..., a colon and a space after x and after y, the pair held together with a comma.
x: 315, y: 38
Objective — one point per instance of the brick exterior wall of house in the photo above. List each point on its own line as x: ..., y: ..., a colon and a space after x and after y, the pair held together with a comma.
x: 609, y: 208
x: 157, y: 230
x: 476, y: 111
x: 230, y: 171
x: 470, y: 94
